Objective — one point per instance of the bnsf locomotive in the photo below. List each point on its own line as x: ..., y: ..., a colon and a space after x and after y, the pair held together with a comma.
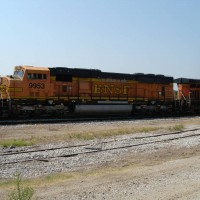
x: 58, y: 91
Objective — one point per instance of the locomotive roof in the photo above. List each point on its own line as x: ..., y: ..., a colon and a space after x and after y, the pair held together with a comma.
x: 95, y: 73
x: 186, y: 80
x: 32, y: 68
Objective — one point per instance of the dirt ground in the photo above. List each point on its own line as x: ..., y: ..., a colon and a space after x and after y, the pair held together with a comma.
x: 165, y: 174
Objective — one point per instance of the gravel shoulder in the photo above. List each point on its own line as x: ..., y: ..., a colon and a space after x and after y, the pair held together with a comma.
x: 167, y: 171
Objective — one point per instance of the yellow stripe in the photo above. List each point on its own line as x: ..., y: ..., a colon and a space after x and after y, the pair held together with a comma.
x: 24, y: 97
x: 53, y: 78
x: 82, y: 79
x: 107, y: 80
x: 80, y: 98
x: 12, y: 89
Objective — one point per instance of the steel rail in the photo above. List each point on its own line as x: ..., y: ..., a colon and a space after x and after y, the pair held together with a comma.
x: 96, y: 150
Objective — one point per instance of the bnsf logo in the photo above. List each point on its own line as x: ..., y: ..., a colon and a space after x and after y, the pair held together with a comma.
x: 37, y: 85
x: 110, y: 89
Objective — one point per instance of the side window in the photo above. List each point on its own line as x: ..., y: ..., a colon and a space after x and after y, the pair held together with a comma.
x: 64, y: 88
x: 34, y: 76
x: 39, y: 76
x: 196, y: 94
x: 29, y: 76
x: 63, y: 77
x: 44, y: 76
x: 163, y: 91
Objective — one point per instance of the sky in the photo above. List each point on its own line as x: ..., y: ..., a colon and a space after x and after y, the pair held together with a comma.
x: 126, y: 36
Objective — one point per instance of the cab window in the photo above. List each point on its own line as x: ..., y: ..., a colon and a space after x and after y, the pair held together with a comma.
x: 19, y: 74
x: 36, y: 76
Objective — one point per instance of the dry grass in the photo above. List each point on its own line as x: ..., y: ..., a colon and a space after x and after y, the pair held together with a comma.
x: 89, y: 135
x: 57, y: 134
x: 39, y: 182
x: 56, y: 178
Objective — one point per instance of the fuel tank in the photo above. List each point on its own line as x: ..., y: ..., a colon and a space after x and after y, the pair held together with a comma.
x: 103, y: 109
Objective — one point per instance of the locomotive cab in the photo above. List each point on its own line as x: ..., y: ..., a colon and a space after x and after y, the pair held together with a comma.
x: 37, y: 82
x: 25, y: 90
x: 27, y: 82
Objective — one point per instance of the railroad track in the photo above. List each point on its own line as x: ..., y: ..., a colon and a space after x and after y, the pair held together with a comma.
x: 86, y: 118
x: 60, y: 120
x: 46, y: 155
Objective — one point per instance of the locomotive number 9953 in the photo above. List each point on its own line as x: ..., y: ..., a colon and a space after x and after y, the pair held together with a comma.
x: 37, y: 85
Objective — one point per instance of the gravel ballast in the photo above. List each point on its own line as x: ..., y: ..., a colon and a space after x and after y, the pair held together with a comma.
x: 155, y: 166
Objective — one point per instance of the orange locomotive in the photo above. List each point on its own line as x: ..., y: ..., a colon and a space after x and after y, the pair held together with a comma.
x: 189, y: 94
x: 60, y: 91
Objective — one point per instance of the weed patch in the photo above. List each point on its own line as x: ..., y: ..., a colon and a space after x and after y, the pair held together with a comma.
x: 21, y: 192
x: 16, y: 143
x: 178, y: 127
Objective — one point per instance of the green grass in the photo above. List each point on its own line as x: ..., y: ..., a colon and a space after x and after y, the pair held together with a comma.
x: 178, y: 127
x: 109, y: 133
x: 147, y: 129
x: 94, y: 134
x: 35, y: 182
x: 16, y: 143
